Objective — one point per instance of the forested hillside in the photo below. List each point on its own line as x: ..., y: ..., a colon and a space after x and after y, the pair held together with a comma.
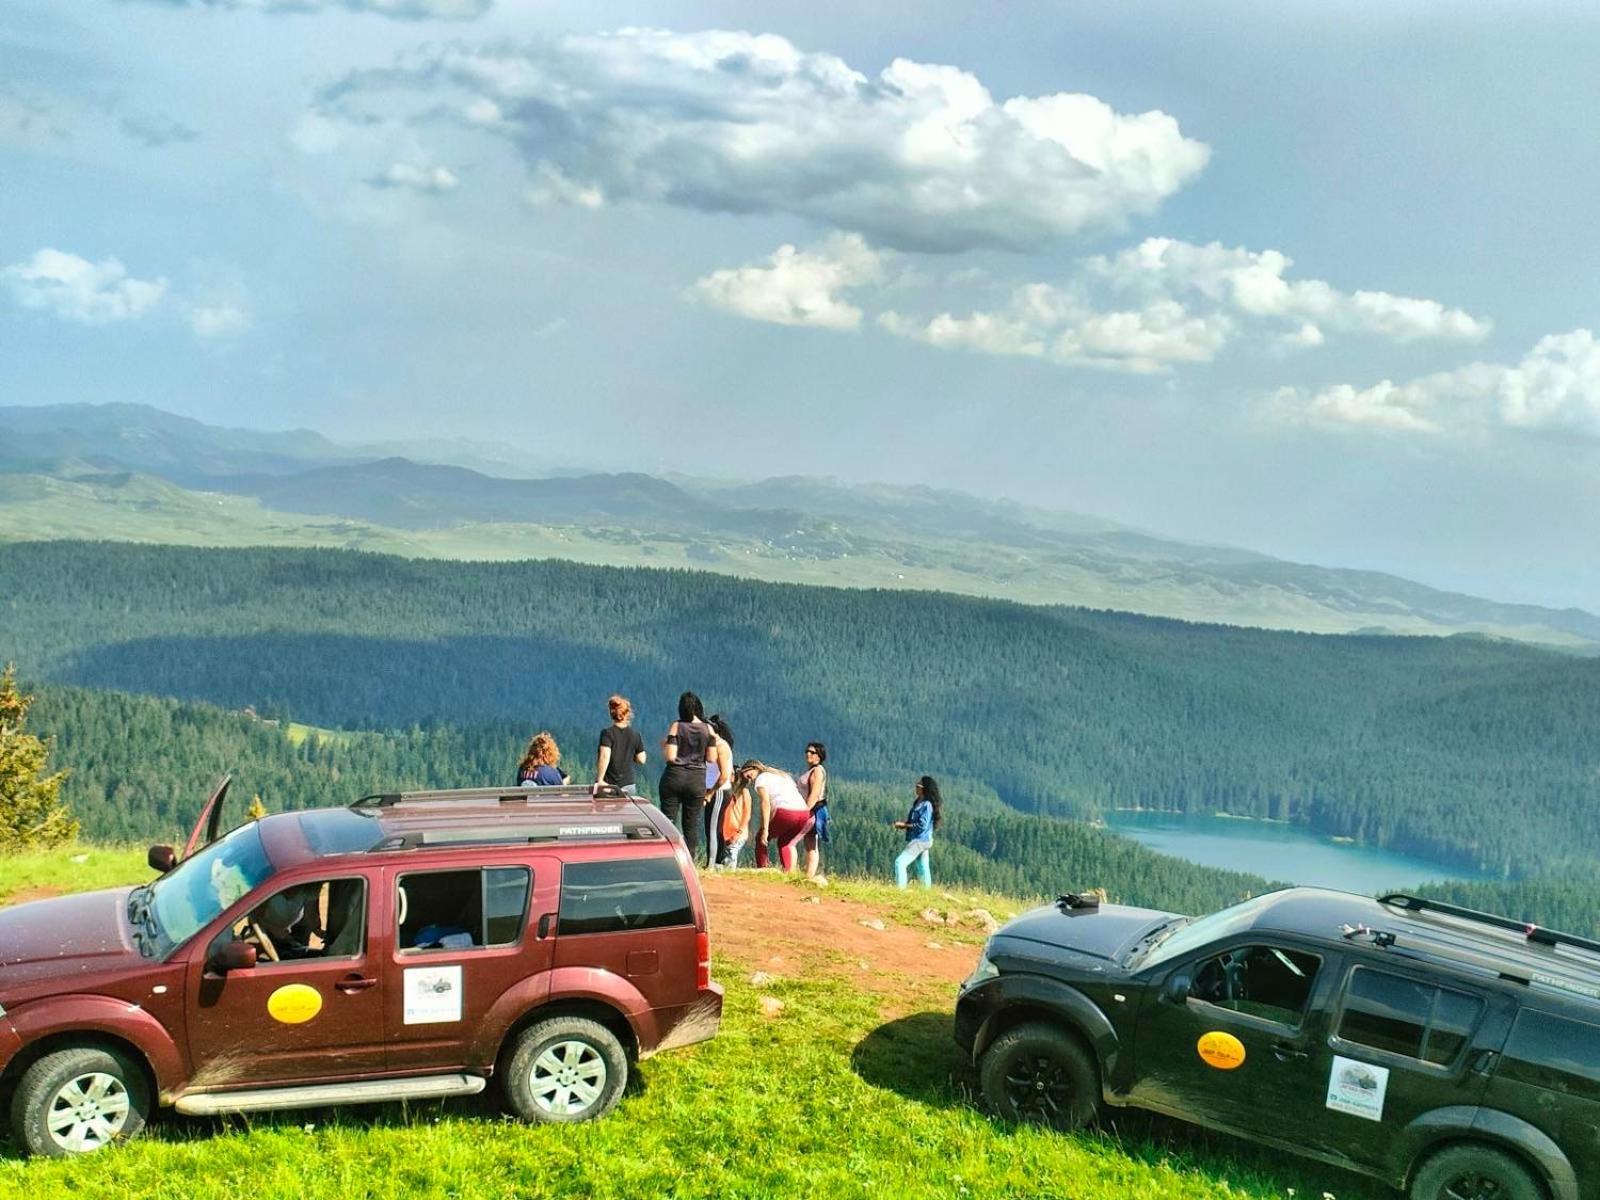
x: 1477, y: 750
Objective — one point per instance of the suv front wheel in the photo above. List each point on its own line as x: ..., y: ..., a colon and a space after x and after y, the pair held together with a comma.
x: 565, y: 1069
x: 1041, y: 1074
x: 79, y: 1100
x: 1470, y: 1172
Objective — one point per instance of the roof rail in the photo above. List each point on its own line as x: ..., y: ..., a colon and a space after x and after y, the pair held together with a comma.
x: 1534, y: 933
x: 495, y: 796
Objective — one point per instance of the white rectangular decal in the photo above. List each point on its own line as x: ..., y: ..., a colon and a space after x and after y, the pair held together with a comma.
x: 1357, y: 1088
x: 432, y: 995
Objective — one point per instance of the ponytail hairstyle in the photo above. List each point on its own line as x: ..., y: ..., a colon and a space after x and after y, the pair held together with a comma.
x: 930, y: 793
x: 719, y: 726
x: 690, y: 708
x: 621, y: 710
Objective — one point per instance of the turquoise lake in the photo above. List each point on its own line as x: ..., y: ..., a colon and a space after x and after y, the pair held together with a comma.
x: 1286, y: 852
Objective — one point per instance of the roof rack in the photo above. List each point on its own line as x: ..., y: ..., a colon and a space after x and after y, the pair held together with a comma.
x: 1533, y: 933
x: 424, y: 839
x: 496, y: 796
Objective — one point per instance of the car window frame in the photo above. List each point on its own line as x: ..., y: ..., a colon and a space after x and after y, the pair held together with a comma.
x: 402, y: 873
x: 316, y: 879
x: 689, y: 921
x: 1323, y: 955
x: 1392, y: 1058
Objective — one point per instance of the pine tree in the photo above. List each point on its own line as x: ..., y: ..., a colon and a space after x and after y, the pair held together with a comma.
x: 31, y: 813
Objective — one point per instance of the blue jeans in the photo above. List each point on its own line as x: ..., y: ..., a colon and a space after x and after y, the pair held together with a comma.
x: 915, y: 852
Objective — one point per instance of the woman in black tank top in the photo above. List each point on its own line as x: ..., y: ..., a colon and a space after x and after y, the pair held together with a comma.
x: 683, y: 783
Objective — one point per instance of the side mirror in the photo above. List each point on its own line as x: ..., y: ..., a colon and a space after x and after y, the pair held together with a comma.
x: 1176, y: 989
x: 162, y: 858
x: 233, y: 956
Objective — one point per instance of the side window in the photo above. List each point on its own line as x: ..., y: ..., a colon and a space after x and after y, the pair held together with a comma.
x: 1270, y: 982
x: 322, y: 919
x: 616, y: 894
x: 1553, y: 1053
x: 462, y: 910
x: 1404, y: 1017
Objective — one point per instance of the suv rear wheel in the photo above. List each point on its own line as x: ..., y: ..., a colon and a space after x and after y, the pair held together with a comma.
x: 79, y: 1100
x: 1474, y: 1173
x: 565, y: 1069
x: 1041, y: 1074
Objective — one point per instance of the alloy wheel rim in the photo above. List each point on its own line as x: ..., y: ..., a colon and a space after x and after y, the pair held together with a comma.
x: 1038, y: 1089
x: 87, y: 1113
x: 1472, y: 1186
x: 568, y: 1078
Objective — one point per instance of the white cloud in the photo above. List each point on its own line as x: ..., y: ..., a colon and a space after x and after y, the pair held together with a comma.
x: 918, y: 157
x: 1554, y: 388
x: 1045, y: 322
x: 414, y: 10
x: 76, y: 289
x: 797, y: 287
x: 417, y: 179
x: 1252, y: 284
x: 217, y: 320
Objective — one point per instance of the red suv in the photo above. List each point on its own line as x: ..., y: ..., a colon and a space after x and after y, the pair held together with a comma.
x: 413, y: 945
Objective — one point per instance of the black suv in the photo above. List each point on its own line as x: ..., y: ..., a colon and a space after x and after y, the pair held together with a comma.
x: 1446, y: 1051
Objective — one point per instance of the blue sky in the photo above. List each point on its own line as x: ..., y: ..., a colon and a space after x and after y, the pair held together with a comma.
x: 1315, y: 279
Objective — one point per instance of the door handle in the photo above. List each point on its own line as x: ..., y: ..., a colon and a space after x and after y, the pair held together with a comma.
x: 544, y: 925
x: 1288, y: 1052
x: 354, y: 984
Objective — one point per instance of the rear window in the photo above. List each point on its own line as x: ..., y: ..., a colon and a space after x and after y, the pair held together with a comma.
x: 1401, y: 1016
x: 624, y: 893
x: 1554, y: 1053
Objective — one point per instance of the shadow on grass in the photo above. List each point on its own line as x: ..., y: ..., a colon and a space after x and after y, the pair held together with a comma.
x: 916, y: 1057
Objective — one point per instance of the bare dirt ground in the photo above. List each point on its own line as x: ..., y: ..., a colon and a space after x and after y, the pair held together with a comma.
x: 783, y: 930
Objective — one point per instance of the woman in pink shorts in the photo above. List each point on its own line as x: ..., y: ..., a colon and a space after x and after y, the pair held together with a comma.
x: 785, y: 816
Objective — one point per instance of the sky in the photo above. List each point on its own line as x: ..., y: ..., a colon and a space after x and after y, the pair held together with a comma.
x: 1319, y: 280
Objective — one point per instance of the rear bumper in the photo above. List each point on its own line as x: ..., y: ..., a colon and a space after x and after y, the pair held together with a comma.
x: 694, y: 1022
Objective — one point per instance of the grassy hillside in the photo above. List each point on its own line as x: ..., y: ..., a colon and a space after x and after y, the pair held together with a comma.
x: 850, y: 1091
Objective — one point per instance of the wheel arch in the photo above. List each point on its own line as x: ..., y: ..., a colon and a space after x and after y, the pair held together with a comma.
x: 586, y: 1007
x: 98, y: 1020
x: 1024, y: 998
x: 79, y: 1039
x: 1510, y: 1135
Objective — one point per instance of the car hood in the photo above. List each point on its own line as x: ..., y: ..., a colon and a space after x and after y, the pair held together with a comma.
x: 1107, y: 932
x: 66, y: 936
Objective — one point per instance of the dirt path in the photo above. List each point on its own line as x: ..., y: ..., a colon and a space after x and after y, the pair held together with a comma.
x: 769, y: 925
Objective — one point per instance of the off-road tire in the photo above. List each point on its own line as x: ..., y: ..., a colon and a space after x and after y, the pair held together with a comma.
x: 1041, y: 1074
x: 103, y: 1082
x: 564, y: 1069
x: 1467, y: 1171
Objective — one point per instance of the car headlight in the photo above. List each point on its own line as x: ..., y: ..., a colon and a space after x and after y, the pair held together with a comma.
x: 982, y: 973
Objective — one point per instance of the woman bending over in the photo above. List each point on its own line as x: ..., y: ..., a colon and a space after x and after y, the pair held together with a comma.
x: 785, y: 817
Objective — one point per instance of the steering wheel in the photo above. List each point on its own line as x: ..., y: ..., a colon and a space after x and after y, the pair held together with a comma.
x: 262, y: 940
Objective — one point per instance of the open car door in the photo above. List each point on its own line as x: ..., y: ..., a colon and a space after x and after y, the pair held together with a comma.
x: 209, y: 825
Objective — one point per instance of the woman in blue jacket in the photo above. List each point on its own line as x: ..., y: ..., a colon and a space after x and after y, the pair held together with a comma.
x: 919, y: 825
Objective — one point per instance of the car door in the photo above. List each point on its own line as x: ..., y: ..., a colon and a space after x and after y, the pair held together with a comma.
x: 301, y: 1019
x: 1227, y: 1037
x: 460, y: 937
x: 1399, y: 1044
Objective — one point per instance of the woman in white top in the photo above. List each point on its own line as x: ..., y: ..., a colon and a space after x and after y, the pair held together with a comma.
x: 785, y: 816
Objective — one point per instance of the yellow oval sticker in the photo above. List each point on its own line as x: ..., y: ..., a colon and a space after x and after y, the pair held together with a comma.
x: 294, y: 1003
x: 1220, y: 1050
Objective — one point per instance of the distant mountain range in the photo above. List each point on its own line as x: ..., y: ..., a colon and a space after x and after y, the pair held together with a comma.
x: 130, y: 472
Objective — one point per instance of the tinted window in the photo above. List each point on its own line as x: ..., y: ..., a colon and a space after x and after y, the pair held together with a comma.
x: 1553, y: 1053
x: 1261, y: 981
x: 638, y: 893
x: 1401, y: 1016
x: 462, y: 910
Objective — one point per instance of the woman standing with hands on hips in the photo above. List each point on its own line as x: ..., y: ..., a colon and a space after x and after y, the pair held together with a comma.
x: 919, y: 825
x: 683, y: 784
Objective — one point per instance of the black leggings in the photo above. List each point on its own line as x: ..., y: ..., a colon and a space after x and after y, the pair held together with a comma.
x: 683, y: 796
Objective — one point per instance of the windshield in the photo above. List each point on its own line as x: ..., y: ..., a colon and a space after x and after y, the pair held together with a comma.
x: 1178, y: 939
x: 197, y: 890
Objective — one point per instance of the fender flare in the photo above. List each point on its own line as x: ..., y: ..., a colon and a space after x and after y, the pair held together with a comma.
x: 1066, y: 1002
x: 119, y: 1019
x: 1491, y: 1127
x: 553, y: 987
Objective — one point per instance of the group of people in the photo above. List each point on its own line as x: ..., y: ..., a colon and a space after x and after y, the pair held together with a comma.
x: 714, y: 803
